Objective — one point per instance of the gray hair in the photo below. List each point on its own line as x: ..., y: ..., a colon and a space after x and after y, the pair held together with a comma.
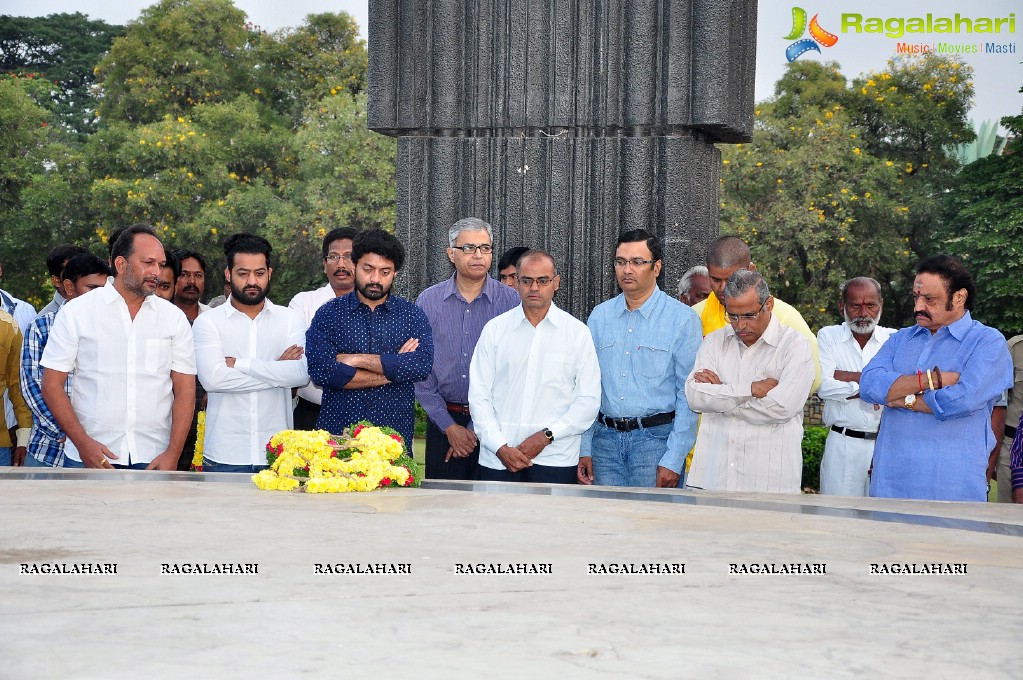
x: 468, y: 224
x: 859, y: 280
x: 742, y: 281
x: 686, y: 282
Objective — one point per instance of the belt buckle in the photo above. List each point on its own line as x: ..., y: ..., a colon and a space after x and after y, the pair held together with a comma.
x: 620, y: 423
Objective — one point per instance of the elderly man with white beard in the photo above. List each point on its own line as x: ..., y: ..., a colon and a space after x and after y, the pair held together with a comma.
x: 844, y: 350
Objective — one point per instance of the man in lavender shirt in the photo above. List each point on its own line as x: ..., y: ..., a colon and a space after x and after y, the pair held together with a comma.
x: 457, y: 309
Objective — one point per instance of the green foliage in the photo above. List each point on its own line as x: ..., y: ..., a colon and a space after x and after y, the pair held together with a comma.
x: 839, y: 181
x: 985, y: 228
x: 813, y: 451
x: 208, y: 126
x: 61, y: 50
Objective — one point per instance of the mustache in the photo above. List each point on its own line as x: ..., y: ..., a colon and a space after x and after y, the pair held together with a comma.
x: 192, y: 287
x: 342, y: 270
x: 926, y: 315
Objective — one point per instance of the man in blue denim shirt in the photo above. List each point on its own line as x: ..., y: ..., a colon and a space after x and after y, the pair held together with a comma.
x: 646, y: 344
x: 939, y: 380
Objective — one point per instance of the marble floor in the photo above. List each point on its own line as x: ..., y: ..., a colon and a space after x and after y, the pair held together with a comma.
x: 170, y: 575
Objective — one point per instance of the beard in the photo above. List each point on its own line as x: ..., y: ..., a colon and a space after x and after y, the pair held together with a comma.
x: 862, y: 325
x: 249, y: 295
x: 136, y: 284
x: 372, y: 291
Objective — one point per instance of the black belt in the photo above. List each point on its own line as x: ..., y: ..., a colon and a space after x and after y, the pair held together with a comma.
x: 630, y: 424
x: 855, y: 434
x: 1010, y: 432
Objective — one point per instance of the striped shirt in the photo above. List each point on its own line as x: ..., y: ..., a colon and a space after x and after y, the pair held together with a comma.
x: 46, y: 442
x: 747, y: 443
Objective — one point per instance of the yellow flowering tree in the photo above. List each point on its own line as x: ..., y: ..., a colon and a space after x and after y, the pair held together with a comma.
x: 820, y: 198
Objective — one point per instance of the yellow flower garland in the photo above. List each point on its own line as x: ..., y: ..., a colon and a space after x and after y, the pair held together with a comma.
x: 319, y: 462
x: 200, y: 440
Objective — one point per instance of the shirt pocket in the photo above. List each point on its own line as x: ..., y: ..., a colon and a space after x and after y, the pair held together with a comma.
x: 158, y: 355
x: 653, y: 360
x: 558, y: 372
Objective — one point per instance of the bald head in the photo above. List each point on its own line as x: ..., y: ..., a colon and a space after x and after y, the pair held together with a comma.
x: 728, y: 252
x: 541, y: 255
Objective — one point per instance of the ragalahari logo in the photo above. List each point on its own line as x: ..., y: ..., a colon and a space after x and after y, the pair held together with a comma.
x: 817, y: 35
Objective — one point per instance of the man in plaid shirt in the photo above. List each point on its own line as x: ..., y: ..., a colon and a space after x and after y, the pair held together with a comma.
x: 82, y: 274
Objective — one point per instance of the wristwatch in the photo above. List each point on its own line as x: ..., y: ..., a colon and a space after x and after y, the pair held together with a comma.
x: 910, y: 400
x: 547, y: 433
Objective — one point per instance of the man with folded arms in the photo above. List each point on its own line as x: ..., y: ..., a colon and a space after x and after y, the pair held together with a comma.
x: 939, y: 380
x: 249, y: 353
x: 750, y: 382
x: 844, y: 351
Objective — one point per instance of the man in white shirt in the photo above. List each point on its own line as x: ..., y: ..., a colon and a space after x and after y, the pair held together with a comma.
x: 844, y: 350
x: 750, y: 381
x: 249, y: 353
x: 340, y: 272
x: 131, y: 351
x: 534, y: 384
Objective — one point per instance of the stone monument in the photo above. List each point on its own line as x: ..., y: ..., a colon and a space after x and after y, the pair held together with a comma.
x: 562, y: 123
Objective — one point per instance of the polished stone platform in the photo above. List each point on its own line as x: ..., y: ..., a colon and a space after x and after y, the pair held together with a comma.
x: 293, y: 618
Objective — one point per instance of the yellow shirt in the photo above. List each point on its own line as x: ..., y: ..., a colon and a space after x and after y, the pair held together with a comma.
x: 10, y: 380
x: 712, y: 316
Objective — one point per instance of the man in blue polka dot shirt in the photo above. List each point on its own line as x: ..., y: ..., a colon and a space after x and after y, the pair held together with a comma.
x: 367, y: 348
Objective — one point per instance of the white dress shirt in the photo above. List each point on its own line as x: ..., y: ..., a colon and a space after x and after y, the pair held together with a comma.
x: 251, y: 402
x: 747, y: 443
x: 523, y: 379
x: 840, y: 351
x: 846, y: 462
x: 306, y: 304
x: 122, y: 391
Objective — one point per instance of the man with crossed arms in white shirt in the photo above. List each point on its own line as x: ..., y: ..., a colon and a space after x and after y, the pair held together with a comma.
x: 750, y: 382
x: 134, y: 388
x: 250, y: 353
x: 844, y: 350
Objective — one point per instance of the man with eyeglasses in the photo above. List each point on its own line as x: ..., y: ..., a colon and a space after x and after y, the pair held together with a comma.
x: 458, y: 308
x: 939, y: 381
x: 534, y: 384
x: 337, y: 267
x: 725, y: 256
x: 844, y: 350
x: 646, y: 343
x: 750, y: 382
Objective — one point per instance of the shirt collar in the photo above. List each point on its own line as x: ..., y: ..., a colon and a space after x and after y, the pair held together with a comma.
x: 449, y: 288
x: 647, y: 309
x: 352, y: 302
x: 553, y: 315
x: 231, y: 310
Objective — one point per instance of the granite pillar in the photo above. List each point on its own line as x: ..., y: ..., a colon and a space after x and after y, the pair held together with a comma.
x: 562, y: 123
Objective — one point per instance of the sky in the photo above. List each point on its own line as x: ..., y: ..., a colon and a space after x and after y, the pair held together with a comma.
x: 997, y: 77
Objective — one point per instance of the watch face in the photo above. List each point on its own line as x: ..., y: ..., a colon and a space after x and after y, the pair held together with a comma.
x: 910, y: 399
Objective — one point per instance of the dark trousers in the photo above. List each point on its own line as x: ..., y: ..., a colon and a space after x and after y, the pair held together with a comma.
x: 536, y: 474
x: 306, y: 414
x: 437, y: 448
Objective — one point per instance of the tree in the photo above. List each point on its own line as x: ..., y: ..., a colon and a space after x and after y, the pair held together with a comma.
x: 845, y: 181
x: 179, y: 54
x: 39, y: 169
x: 63, y: 49
x: 985, y: 228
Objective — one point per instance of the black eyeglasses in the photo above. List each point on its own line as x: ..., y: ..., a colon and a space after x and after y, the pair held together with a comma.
x: 635, y: 262
x: 528, y: 281
x: 752, y: 316
x: 470, y: 248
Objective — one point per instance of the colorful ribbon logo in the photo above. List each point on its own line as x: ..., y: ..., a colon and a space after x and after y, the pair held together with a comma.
x: 817, y: 35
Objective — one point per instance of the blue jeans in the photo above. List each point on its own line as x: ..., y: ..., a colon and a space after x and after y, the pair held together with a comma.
x: 33, y: 462
x: 628, y: 458
x: 5, y: 455
x: 212, y: 466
